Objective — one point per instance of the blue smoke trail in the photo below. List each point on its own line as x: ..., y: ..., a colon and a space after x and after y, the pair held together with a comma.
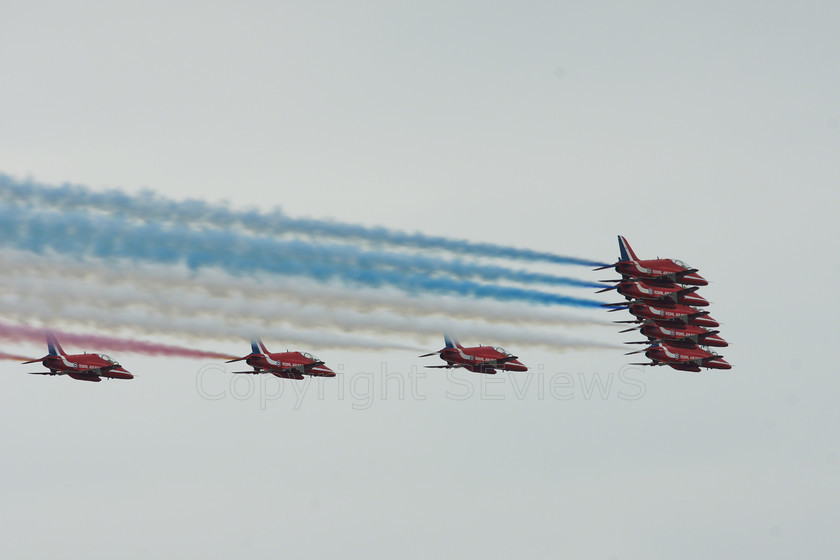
x: 103, y: 236
x: 147, y: 204
x: 417, y: 263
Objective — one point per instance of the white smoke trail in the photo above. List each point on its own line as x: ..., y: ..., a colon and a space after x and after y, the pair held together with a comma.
x: 145, y: 322
x: 195, y: 316
x: 159, y: 279
x: 101, y: 297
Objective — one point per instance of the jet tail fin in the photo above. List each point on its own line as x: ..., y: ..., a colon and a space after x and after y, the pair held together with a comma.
x: 257, y: 347
x: 451, y: 341
x: 627, y: 253
x: 53, y: 345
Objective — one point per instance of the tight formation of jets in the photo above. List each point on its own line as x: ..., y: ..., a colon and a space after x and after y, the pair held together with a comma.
x: 662, y: 296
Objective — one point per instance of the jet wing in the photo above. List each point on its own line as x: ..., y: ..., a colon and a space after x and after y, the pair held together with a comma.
x: 90, y: 375
x: 286, y: 374
x: 85, y: 377
x: 486, y: 367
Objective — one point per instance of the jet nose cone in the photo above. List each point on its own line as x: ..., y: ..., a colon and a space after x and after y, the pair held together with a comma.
x: 695, y: 300
x: 323, y: 371
x: 516, y: 365
x: 720, y: 363
x: 122, y: 373
x: 706, y: 321
x: 715, y: 340
x: 695, y: 279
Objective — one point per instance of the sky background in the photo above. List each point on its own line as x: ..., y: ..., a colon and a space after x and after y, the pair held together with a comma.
x: 708, y: 133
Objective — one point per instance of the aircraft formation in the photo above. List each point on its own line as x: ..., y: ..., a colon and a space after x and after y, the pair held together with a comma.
x: 662, y: 296
x: 285, y: 365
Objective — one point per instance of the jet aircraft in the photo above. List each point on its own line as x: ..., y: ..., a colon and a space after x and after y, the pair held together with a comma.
x: 478, y: 359
x: 287, y: 365
x: 84, y: 367
x: 657, y: 291
x: 678, y: 333
x: 675, y: 313
x: 665, y: 311
x: 685, y: 356
x: 630, y: 266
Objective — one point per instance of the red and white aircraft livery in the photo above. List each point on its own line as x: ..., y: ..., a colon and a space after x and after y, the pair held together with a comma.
x: 630, y: 266
x: 679, y: 333
x: 682, y: 356
x: 84, y: 367
x: 675, y: 313
x: 478, y: 359
x: 288, y: 365
x: 657, y: 291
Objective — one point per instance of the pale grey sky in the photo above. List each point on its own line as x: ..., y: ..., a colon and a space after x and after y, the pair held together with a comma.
x: 708, y: 133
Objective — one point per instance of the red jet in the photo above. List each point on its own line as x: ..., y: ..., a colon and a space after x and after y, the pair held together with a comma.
x: 287, y: 365
x: 84, y: 367
x: 682, y: 356
x: 629, y: 266
x: 679, y: 333
x: 478, y: 359
x: 674, y: 312
x: 658, y: 291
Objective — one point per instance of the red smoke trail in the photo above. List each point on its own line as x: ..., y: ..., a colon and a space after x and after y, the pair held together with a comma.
x: 89, y: 341
x: 4, y: 356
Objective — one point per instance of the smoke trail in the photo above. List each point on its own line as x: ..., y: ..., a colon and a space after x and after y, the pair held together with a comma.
x: 4, y: 356
x: 174, y: 306
x: 32, y: 334
x: 73, y: 197
x: 175, y: 303
x: 138, y: 320
x: 27, y: 273
x: 209, y: 328
x: 83, y: 234
x: 349, y: 256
